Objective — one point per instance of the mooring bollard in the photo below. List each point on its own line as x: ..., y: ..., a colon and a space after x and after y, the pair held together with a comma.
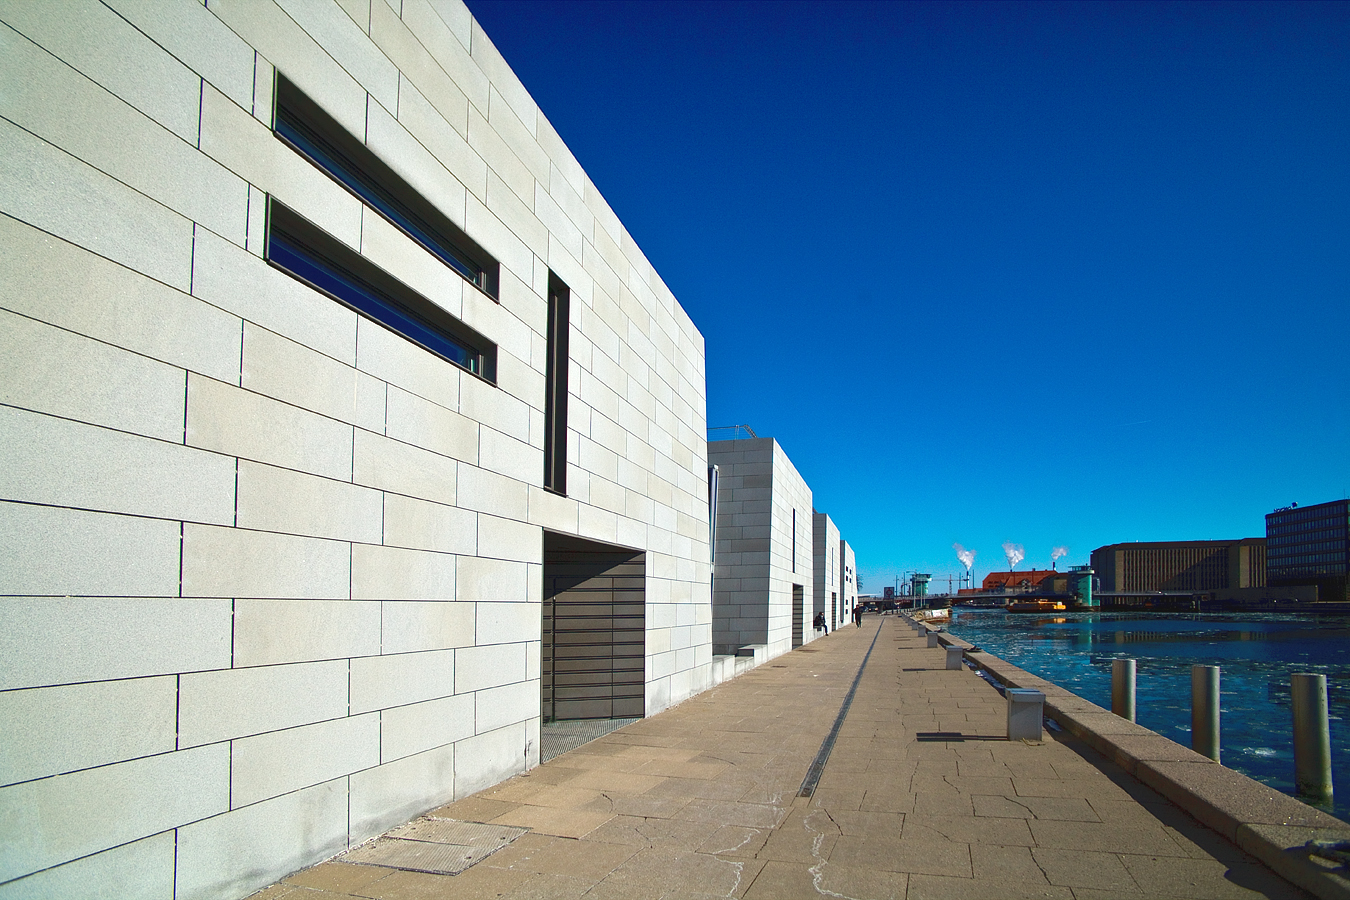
x: 1026, y: 708
x: 1312, y: 735
x: 1122, y: 688
x: 1205, y: 711
x: 933, y: 638
x: 954, y: 657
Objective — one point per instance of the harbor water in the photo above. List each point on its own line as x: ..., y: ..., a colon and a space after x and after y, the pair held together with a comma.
x: 1257, y: 652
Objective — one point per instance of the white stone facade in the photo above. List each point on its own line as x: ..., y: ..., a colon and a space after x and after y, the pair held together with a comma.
x: 270, y: 574
x: 848, y: 578
x: 763, y: 582
x: 825, y: 568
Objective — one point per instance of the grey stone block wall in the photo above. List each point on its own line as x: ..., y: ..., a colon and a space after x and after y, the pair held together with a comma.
x: 759, y: 558
x: 848, y: 577
x: 270, y: 575
x: 825, y: 569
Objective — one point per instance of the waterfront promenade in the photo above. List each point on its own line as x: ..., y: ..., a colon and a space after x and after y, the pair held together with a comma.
x: 921, y: 797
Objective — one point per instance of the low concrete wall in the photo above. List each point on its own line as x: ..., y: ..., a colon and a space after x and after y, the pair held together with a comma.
x: 1268, y: 824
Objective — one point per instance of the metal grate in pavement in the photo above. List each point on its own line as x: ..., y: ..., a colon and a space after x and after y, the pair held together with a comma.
x: 556, y: 738
x: 438, y: 846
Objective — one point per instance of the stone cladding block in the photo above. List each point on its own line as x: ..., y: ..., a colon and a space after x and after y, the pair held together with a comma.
x: 379, y: 682
x: 63, y: 640
x: 279, y: 762
x: 140, y: 869
x: 79, y: 726
x: 289, y: 502
x: 120, y: 803
x: 49, y: 370
x: 406, y: 627
x: 234, y: 562
x: 48, y: 278
x: 57, y: 462
x: 229, y: 855
x: 416, y: 727
x: 275, y: 632
x: 392, y: 573
x: 231, y: 703
x: 60, y: 552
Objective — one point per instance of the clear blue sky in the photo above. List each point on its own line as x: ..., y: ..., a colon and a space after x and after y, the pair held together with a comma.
x: 1055, y: 274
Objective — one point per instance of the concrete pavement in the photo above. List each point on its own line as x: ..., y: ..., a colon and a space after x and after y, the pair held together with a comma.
x: 921, y: 797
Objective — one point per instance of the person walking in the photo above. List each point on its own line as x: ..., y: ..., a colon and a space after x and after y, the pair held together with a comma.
x: 857, y: 616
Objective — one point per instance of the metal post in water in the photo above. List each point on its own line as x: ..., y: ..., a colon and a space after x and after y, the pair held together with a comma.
x: 1312, y: 735
x: 1122, y: 688
x: 1205, y: 711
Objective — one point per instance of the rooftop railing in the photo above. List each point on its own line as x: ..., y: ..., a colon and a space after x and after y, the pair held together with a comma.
x: 730, y: 432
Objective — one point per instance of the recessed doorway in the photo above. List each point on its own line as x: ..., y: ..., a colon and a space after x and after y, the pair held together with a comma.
x: 593, y: 655
x: 798, y: 615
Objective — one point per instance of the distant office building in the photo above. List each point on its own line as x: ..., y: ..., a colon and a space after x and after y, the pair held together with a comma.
x: 1310, y: 545
x: 1180, y: 566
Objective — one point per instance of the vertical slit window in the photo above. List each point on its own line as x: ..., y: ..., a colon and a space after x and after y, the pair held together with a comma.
x: 303, y: 124
x: 558, y: 330
x: 712, y: 514
x: 309, y: 254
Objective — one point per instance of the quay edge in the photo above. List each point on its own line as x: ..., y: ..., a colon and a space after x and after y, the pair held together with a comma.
x: 1269, y: 824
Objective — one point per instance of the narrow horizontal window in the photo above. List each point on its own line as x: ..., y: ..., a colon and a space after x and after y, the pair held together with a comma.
x: 303, y: 124
x: 305, y: 251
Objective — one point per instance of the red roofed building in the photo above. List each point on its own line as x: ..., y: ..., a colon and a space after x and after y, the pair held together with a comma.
x: 1016, y: 582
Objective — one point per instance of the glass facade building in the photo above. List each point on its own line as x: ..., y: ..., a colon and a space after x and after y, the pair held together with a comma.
x: 1310, y: 545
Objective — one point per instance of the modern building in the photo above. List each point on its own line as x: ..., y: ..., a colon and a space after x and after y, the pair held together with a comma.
x: 347, y: 437
x: 1310, y: 546
x: 1180, y: 566
x: 763, y: 576
x: 848, y: 579
x: 1074, y: 584
x: 827, y: 578
x: 1016, y: 582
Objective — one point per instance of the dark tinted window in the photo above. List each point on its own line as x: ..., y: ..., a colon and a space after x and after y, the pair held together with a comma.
x: 303, y: 250
x: 304, y: 125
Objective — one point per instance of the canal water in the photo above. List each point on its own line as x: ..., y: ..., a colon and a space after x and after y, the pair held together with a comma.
x: 1256, y: 653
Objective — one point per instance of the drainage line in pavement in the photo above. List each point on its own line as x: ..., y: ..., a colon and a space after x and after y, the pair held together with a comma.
x: 818, y: 764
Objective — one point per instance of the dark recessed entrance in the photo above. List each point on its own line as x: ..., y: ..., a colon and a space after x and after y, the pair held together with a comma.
x: 594, y: 630
x: 798, y: 615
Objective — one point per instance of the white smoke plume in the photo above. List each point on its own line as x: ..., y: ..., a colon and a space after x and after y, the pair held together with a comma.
x: 1015, y: 553
x: 1057, y: 553
x: 967, y: 557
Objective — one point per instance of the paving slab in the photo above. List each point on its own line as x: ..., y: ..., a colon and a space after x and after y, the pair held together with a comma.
x: 921, y: 796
